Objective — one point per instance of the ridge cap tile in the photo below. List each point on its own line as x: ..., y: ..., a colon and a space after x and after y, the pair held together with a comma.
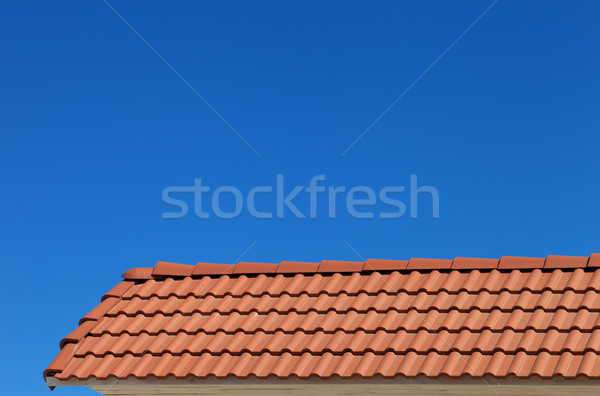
x: 169, y: 269
x: 138, y: 273
x: 298, y: 267
x: 245, y: 267
x: 558, y: 262
x: 385, y: 265
x: 332, y: 266
x: 164, y: 268
x: 212, y: 269
x: 472, y: 263
x: 594, y: 260
x: 416, y: 263
x: 516, y: 262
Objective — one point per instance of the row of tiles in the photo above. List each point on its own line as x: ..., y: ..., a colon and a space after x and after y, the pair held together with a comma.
x: 349, y: 322
x: 329, y: 266
x: 474, y: 281
x: 340, y: 342
x: 362, y: 302
x: 389, y: 365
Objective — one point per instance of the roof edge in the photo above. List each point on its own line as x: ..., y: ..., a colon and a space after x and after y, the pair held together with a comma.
x: 138, y: 273
x: 422, y: 379
x: 164, y: 269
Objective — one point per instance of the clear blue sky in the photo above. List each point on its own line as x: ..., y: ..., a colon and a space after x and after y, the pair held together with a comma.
x: 94, y: 126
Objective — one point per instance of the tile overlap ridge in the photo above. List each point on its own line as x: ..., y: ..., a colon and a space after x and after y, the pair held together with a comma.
x: 165, y: 269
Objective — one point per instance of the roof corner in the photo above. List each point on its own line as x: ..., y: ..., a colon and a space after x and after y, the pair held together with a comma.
x: 138, y: 273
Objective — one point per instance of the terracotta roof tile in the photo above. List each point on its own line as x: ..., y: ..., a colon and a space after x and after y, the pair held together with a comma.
x: 78, y: 334
x: 212, y: 269
x: 387, y: 318
x: 163, y: 268
x: 296, y: 267
x: 428, y: 264
x: 340, y: 266
x: 411, y: 365
x: 510, y: 262
x: 474, y: 263
x: 138, y: 273
x: 61, y: 360
x: 566, y: 262
x: 254, y: 268
x: 340, y: 342
x: 362, y: 302
x: 385, y: 265
x: 119, y: 289
x: 594, y: 260
x: 101, y: 309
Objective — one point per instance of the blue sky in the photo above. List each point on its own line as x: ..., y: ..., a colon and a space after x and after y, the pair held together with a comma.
x: 94, y: 126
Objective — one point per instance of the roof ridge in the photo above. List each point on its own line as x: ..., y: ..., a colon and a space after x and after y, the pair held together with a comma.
x: 164, y: 269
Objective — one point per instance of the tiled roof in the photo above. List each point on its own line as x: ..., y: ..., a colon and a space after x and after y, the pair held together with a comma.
x: 515, y: 316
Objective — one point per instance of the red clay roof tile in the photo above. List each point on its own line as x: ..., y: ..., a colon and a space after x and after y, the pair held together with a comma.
x: 101, y: 309
x: 385, y: 265
x: 164, y: 268
x: 119, y: 289
x: 566, y: 262
x: 428, y: 264
x: 368, y: 365
x: 254, y: 268
x: 339, y: 342
x: 212, y: 269
x: 78, y: 334
x: 382, y: 317
x: 469, y: 263
x: 510, y: 262
x: 138, y: 273
x: 594, y: 261
x: 297, y: 267
x: 340, y: 266
x: 61, y: 360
